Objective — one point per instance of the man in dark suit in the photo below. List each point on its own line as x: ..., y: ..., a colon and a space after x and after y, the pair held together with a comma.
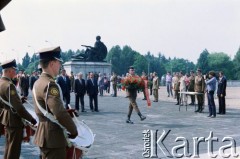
x: 23, y: 83
x: 65, y: 84
x: 80, y: 90
x: 33, y: 79
x: 92, y: 91
x: 221, y: 93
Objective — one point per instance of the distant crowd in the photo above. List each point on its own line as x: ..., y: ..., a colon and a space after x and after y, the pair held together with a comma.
x: 100, y: 84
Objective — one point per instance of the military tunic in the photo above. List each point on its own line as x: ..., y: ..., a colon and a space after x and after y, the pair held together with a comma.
x: 191, y: 88
x: 155, y: 88
x: 132, y: 95
x: 11, y: 118
x: 200, y: 88
x: 49, y: 136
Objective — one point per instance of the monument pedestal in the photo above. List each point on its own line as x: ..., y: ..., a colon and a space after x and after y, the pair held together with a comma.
x: 77, y: 66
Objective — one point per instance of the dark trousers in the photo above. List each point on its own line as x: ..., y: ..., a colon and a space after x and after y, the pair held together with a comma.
x: 53, y: 153
x: 95, y: 99
x: 222, y: 104
x: 211, y: 103
x: 114, y: 90
x: 150, y: 89
x: 66, y: 98
x: 200, y: 100
x: 14, y: 138
x: 24, y: 92
x: 192, y: 99
x: 101, y: 90
x: 81, y: 97
x: 178, y: 96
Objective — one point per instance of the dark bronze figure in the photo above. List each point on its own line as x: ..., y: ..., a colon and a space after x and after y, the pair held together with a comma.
x: 96, y: 53
x: 3, y: 3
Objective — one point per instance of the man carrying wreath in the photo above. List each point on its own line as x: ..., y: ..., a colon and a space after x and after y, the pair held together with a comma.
x: 132, y: 95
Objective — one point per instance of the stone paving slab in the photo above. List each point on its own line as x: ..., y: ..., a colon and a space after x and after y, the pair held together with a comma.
x: 116, y: 139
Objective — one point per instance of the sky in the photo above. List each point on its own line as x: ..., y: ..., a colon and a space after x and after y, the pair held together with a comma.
x: 176, y: 28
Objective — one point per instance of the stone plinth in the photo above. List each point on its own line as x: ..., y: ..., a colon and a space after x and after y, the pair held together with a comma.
x: 85, y: 67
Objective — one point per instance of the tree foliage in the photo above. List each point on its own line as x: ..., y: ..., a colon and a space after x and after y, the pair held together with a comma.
x: 221, y: 62
x: 122, y: 58
x: 202, y: 62
x: 26, y: 60
x: 236, y: 63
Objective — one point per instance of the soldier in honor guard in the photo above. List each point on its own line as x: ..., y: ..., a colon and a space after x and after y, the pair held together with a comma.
x: 144, y: 77
x: 176, y: 87
x: 191, y: 86
x: 132, y: 95
x: 155, y: 86
x: 49, y: 135
x: 200, y: 88
x: 12, y: 111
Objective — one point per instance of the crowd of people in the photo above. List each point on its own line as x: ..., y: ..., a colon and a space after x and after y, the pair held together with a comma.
x: 102, y: 84
x: 201, y: 85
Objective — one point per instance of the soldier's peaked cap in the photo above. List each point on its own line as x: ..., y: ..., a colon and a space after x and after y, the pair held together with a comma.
x: 50, y: 53
x: 9, y: 64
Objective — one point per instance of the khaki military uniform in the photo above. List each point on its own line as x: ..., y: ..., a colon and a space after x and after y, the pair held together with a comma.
x: 132, y: 95
x: 49, y: 136
x: 191, y: 88
x: 11, y: 118
x: 155, y: 88
x: 200, y: 88
x: 176, y: 88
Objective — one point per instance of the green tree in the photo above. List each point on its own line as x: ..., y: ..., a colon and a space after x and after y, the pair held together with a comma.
x: 179, y: 65
x: 221, y: 62
x: 141, y: 64
x: 114, y: 57
x: 127, y: 58
x: 202, y: 61
x: 26, y: 61
x: 236, y: 63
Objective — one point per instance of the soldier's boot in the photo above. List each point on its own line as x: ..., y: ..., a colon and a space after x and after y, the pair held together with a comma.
x: 129, y: 121
x: 141, y: 116
x: 201, y: 109
x: 198, y: 109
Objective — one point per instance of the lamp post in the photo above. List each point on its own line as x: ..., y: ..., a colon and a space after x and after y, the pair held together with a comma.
x: 33, y: 55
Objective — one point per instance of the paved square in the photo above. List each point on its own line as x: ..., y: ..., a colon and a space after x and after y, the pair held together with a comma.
x: 115, y: 139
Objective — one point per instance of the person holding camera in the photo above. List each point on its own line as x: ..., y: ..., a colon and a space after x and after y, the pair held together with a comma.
x: 211, y: 87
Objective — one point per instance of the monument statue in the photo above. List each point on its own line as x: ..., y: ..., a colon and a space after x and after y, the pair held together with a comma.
x: 95, y: 54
